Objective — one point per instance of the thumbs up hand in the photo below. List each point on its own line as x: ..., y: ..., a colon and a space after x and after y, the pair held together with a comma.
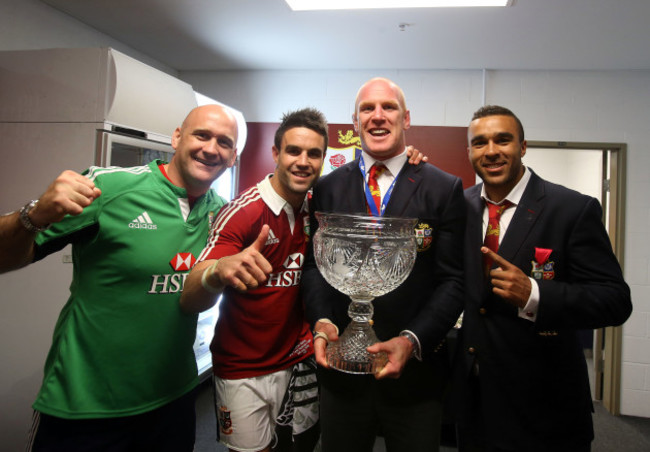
x: 248, y: 269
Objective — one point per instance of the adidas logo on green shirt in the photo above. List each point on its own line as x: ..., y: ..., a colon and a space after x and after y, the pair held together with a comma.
x: 143, y: 221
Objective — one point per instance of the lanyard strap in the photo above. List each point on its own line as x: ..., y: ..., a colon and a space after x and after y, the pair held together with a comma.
x: 369, y: 199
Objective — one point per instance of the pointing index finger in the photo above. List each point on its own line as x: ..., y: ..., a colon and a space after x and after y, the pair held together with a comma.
x: 501, y: 262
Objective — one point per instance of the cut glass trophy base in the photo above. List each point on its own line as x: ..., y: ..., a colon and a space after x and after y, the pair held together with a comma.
x: 349, y: 354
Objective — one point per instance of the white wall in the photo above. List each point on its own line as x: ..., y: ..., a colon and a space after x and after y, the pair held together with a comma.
x: 554, y: 106
x: 442, y: 98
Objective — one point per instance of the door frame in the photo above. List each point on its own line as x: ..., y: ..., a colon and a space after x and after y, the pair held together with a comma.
x: 608, y: 341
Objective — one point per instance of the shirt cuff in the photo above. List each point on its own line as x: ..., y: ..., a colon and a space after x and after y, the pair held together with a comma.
x: 417, y: 348
x: 529, y: 312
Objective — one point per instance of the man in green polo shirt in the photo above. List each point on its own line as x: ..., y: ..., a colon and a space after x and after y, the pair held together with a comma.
x: 121, y: 370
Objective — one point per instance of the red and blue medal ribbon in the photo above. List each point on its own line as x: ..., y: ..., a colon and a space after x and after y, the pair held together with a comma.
x: 370, y: 200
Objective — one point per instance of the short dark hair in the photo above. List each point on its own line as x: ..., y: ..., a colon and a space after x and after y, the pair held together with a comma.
x: 309, y: 118
x: 497, y: 110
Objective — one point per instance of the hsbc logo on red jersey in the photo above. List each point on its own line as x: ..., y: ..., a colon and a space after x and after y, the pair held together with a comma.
x: 294, y: 260
x: 183, y: 262
x: 173, y: 282
x: 290, y: 277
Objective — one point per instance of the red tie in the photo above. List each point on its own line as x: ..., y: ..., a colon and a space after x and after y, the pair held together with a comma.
x: 493, y: 229
x: 375, y: 171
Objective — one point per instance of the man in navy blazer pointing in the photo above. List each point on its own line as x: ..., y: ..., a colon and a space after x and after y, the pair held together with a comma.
x: 521, y: 375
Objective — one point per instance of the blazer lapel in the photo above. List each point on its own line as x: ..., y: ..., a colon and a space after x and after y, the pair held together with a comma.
x: 527, y: 213
x: 407, y: 182
x: 475, y: 205
x: 350, y: 198
x: 474, y: 239
x: 355, y: 191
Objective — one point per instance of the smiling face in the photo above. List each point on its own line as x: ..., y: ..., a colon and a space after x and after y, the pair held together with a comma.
x: 495, y: 151
x: 205, y: 147
x: 298, y: 164
x: 381, y: 118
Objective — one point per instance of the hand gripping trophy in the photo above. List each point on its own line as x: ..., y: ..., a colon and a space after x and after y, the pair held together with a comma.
x: 364, y: 257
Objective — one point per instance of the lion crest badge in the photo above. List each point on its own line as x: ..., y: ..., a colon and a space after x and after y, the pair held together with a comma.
x: 423, y: 236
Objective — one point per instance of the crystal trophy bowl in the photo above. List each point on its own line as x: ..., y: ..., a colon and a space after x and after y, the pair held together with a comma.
x: 363, y: 257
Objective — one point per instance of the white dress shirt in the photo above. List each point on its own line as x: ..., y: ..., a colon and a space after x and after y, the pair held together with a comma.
x: 528, y: 312
x: 393, y: 165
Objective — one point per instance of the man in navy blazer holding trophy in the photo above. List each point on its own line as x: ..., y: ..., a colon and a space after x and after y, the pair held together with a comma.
x: 545, y: 271
x: 403, y: 400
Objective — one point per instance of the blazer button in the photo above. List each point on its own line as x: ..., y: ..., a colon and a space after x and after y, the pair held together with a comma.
x: 482, y: 311
x: 471, y: 350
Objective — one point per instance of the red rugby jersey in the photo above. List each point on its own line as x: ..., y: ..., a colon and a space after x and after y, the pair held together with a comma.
x: 264, y: 330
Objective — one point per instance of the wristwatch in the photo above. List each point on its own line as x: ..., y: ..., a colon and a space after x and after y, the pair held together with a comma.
x: 26, y: 221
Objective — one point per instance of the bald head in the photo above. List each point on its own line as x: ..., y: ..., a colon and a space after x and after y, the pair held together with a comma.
x: 212, y: 112
x: 206, y: 145
x: 379, y: 82
x: 381, y: 118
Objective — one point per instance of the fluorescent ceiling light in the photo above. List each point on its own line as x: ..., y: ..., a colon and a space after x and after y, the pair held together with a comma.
x: 306, y: 5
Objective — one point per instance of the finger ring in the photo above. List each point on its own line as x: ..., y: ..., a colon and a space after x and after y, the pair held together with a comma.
x: 321, y: 335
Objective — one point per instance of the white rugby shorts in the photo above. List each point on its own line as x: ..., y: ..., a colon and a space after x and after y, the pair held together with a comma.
x: 247, y: 409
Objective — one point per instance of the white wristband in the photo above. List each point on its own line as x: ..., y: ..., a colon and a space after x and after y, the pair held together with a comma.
x: 321, y: 335
x: 326, y: 320
x: 204, y: 279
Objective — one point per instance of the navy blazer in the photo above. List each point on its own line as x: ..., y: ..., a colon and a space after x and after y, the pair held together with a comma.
x: 533, y: 375
x: 430, y: 300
